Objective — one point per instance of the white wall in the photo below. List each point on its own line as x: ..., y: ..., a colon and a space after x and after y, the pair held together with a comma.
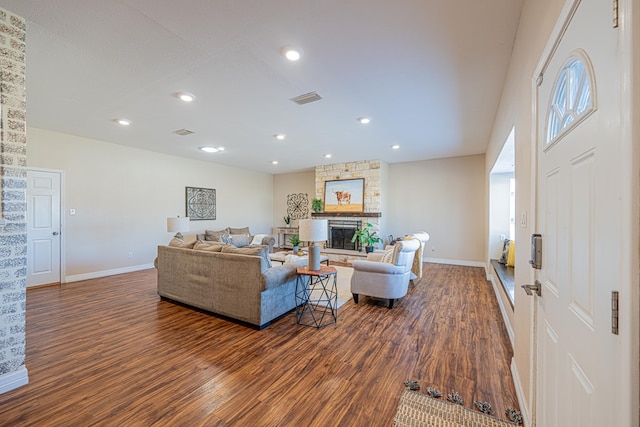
x: 291, y: 183
x: 537, y: 19
x: 446, y: 198
x: 123, y: 196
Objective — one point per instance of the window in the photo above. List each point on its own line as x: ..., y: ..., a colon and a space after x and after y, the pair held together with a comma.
x: 571, y: 100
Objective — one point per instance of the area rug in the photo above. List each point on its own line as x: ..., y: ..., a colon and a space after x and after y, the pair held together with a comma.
x: 420, y: 410
x: 343, y: 284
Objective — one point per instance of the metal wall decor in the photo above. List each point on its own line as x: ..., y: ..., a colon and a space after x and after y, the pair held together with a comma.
x: 298, y: 205
x: 200, y: 203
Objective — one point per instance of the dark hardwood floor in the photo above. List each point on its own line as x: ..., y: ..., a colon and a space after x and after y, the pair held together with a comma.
x: 109, y: 352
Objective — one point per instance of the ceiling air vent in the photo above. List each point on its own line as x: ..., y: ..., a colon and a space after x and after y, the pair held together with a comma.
x: 306, y: 98
x: 183, y: 132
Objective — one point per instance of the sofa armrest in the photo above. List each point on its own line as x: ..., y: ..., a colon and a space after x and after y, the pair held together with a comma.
x: 269, y: 241
x: 275, y: 276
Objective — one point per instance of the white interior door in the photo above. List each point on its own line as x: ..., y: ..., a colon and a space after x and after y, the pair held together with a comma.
x: 579, y: 217
x: 43, y: 227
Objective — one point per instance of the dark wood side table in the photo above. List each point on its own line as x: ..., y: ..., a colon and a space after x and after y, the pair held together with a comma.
x: 316, y: 296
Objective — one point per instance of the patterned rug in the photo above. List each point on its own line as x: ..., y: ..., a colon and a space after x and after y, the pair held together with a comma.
x: 343, y: 285
x: 420, y: 410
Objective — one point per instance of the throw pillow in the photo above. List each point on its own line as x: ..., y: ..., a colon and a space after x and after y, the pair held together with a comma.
x: 243, y: 230
x: 180, y: 243
x: 511, y: 256
x: 505, y: 252
x: 257, y: 239
x: 240, y: 240
x: 215, y: 236
x: 208, y: 246
x: 388, y: 255
x: 261, y: 251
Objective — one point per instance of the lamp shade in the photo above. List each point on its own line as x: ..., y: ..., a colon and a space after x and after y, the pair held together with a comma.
x: 313, y: 230
x: 178, y: 224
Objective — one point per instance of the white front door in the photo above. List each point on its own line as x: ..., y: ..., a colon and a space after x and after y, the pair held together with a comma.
x: 579, y: 216
x: 43, y: 227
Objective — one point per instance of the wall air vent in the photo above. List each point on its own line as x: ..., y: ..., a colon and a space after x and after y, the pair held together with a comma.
x: 183, y: 132
x: 306, y: 98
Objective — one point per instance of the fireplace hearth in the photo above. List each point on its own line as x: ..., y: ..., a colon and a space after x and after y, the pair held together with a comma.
x: 341, y: 233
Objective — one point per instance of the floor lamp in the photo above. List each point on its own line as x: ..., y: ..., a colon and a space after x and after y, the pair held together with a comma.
x: 313, y: 231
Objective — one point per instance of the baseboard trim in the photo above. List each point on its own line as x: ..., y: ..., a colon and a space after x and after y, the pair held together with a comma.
x: 105, y: 273
x: 524, y: 410
x: 456, y: 262
x: 13, y: 380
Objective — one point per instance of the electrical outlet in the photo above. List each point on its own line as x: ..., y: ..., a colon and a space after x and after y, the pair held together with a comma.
x: 130, y: 254
x: 433, y: 248
x: 503, y: 237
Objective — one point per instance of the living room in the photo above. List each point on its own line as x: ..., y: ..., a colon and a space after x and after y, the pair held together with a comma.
x: 116, y: 198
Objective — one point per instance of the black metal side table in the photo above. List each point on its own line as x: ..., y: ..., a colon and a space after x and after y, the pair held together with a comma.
x: 316, y: 297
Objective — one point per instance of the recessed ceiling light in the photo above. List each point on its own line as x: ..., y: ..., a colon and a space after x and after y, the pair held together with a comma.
x: 209, y: 149
x: 395, y: 146
x: 185, y: 96
x: 220, y: 148
x: 123, y: 122
x: 364, y: 120
x: 292, y: 53
x: 327, y: 156
x: 274, y: 162
x: 279, y: 136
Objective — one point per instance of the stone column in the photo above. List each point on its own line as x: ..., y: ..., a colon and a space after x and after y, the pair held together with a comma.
x: 13, y: 235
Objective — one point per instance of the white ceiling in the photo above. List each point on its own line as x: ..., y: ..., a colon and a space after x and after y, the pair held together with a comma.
x: 429, y: 73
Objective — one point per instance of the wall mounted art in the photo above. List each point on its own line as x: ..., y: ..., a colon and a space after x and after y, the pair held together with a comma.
x: 298, y: 205
x: 200, y: 203
x: 345, y: 195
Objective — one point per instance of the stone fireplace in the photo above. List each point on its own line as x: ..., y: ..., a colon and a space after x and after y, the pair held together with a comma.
x: 344, y: 224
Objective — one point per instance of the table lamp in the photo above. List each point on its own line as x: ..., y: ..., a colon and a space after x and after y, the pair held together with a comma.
x: 178, y: 225
x: 313, y: 231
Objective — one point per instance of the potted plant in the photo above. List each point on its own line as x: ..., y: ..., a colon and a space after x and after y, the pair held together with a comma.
x: 287, y: 221
x: 367, y: 237
x: 295, y: 242
x: 316, y: 205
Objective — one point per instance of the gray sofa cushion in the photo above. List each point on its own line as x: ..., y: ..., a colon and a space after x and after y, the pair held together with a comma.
x: 238, y: 240
x: 215, y: 236
x: 243, y: 230
x: 208, y: 246
x: 180, y: 243
x: 261, y: 251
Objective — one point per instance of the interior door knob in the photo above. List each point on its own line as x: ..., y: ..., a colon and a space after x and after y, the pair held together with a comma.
x: 55, y: 233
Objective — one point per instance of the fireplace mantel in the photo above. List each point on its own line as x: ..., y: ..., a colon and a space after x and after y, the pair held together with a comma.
x: 346, y: 214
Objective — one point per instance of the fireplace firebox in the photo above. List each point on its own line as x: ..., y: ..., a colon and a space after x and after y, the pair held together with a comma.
x: 341, y: 232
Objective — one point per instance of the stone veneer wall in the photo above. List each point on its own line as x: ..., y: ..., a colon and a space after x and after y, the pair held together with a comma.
x: 368, y: 169
x: 13, y: 235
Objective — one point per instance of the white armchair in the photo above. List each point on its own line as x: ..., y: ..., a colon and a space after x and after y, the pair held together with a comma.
x: 387, y: 280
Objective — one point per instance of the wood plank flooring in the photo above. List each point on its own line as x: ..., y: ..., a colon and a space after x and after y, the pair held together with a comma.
x: 109, y: 352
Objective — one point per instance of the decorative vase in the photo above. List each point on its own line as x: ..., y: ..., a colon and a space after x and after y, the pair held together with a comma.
x: 368, y: 249
x: 295, y: 250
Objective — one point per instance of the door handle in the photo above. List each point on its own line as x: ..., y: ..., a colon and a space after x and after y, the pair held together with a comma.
x: 530, y: 289
x: 55, y: 233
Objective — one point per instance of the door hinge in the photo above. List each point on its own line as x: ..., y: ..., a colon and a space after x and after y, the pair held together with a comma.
x: 614, y: 312
x: 615, y: 13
